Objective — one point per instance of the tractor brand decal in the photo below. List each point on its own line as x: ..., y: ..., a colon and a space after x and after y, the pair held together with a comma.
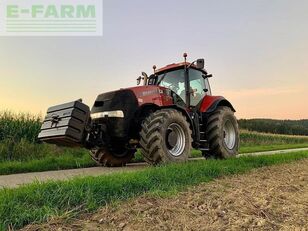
x: 51, y: 18
x: 150, y: 92
x: 156, y: 91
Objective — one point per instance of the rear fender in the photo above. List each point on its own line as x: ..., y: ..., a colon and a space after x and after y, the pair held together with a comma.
x: 210, y: 103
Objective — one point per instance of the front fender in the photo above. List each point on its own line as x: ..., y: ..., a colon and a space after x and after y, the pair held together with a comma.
x: 210, y: 103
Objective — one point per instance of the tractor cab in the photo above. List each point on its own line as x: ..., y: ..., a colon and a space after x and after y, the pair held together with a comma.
x: 188, y: 81
x: 196, y: 84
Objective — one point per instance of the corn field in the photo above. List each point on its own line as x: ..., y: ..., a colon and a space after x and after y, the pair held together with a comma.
x: 249, y: 138
x: 17, y: 127
x: 18, y: 139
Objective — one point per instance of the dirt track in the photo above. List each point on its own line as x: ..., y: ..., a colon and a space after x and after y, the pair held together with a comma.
x: 25, y: 178
x: 271, y: 198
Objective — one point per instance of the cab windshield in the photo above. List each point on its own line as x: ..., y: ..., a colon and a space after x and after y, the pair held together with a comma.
x: 175, y: 81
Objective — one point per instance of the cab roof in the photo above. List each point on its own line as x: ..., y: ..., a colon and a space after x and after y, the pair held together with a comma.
x: 175, y: 66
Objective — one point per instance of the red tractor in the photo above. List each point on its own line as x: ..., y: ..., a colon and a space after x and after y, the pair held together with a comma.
x: 171, y: 113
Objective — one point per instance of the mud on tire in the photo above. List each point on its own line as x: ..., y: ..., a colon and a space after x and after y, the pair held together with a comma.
x: 222, y: 133
x: 165, y: 137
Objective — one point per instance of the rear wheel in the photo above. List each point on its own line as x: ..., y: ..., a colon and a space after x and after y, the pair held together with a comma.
x: 222, y: 133
x: 106, y: 157
x: 165, y: 137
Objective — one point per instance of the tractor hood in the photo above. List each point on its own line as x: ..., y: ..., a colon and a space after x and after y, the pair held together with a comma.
x: 115, y: 104
x: 116, y: 110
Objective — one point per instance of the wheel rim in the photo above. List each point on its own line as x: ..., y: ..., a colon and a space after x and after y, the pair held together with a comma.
x: 175, y: 139
x: 229, y: 134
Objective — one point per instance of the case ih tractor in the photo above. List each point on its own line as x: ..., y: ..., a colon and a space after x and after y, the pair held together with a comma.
x: 171, y: 113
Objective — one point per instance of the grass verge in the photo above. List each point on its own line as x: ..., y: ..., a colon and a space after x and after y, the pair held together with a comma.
x: 70, y: 161
x: 274, y: 147
x: 37, y: 202
x: 243, y: 149
x: 46, y: 164
x: 23, y: 156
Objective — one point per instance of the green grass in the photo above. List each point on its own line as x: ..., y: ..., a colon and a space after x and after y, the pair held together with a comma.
x: 70, y: 161
x: 46, y: 164
x: 31, y: 157
x: 26, y: 151
x: 249, y: 149
x: 258, y: 142
x: 37, y: 202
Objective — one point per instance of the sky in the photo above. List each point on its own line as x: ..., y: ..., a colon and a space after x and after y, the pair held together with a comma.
x: 256, y: 50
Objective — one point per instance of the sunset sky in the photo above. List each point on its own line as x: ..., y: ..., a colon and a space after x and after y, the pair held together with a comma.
x: 256, y: 50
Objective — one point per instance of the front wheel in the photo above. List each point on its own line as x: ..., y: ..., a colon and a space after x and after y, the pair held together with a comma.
x: 165, y: 137
x: 222, y: 133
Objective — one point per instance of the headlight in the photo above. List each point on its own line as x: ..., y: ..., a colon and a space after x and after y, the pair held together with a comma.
x: 115, y: 114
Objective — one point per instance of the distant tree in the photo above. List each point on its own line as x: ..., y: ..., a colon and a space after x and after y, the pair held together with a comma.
x: 290, y: 127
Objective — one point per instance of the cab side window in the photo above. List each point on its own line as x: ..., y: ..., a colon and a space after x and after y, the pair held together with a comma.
x: 198, y: 86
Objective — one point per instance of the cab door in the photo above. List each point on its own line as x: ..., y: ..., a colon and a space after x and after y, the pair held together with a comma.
x: 199, y: 87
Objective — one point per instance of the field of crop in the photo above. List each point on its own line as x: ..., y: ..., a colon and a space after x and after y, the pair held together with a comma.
x: 20, y: 150
x: 288, y: 127
x: 18, y: 139
x: 256, y: 141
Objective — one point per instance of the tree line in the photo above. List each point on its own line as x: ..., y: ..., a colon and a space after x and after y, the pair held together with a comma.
x: 289, y: 127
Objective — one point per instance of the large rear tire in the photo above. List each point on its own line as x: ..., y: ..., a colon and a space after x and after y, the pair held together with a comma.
x: 104, y: 157
x: 222, y: 133
x: 165, y: 137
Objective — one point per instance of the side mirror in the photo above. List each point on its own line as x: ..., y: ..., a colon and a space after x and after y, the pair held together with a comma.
x: 200, y: 63
x: 145, y: 77
x: 138, y: 80
x: 207, y: 76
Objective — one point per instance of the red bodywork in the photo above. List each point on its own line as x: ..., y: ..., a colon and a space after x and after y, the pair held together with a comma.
x: 159, y: 96
x: 208, y: 101
x: 152, y: 95
x: 172, y: 66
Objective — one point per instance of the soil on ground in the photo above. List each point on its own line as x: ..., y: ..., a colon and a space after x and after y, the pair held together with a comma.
x: 271, y: 198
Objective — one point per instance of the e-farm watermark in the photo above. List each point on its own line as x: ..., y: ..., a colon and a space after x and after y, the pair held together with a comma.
x: 51, y: 17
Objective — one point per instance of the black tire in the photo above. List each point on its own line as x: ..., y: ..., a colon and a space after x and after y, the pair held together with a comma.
x: 165, y: 137
x: 220, y: 125
x: 104, y: 157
